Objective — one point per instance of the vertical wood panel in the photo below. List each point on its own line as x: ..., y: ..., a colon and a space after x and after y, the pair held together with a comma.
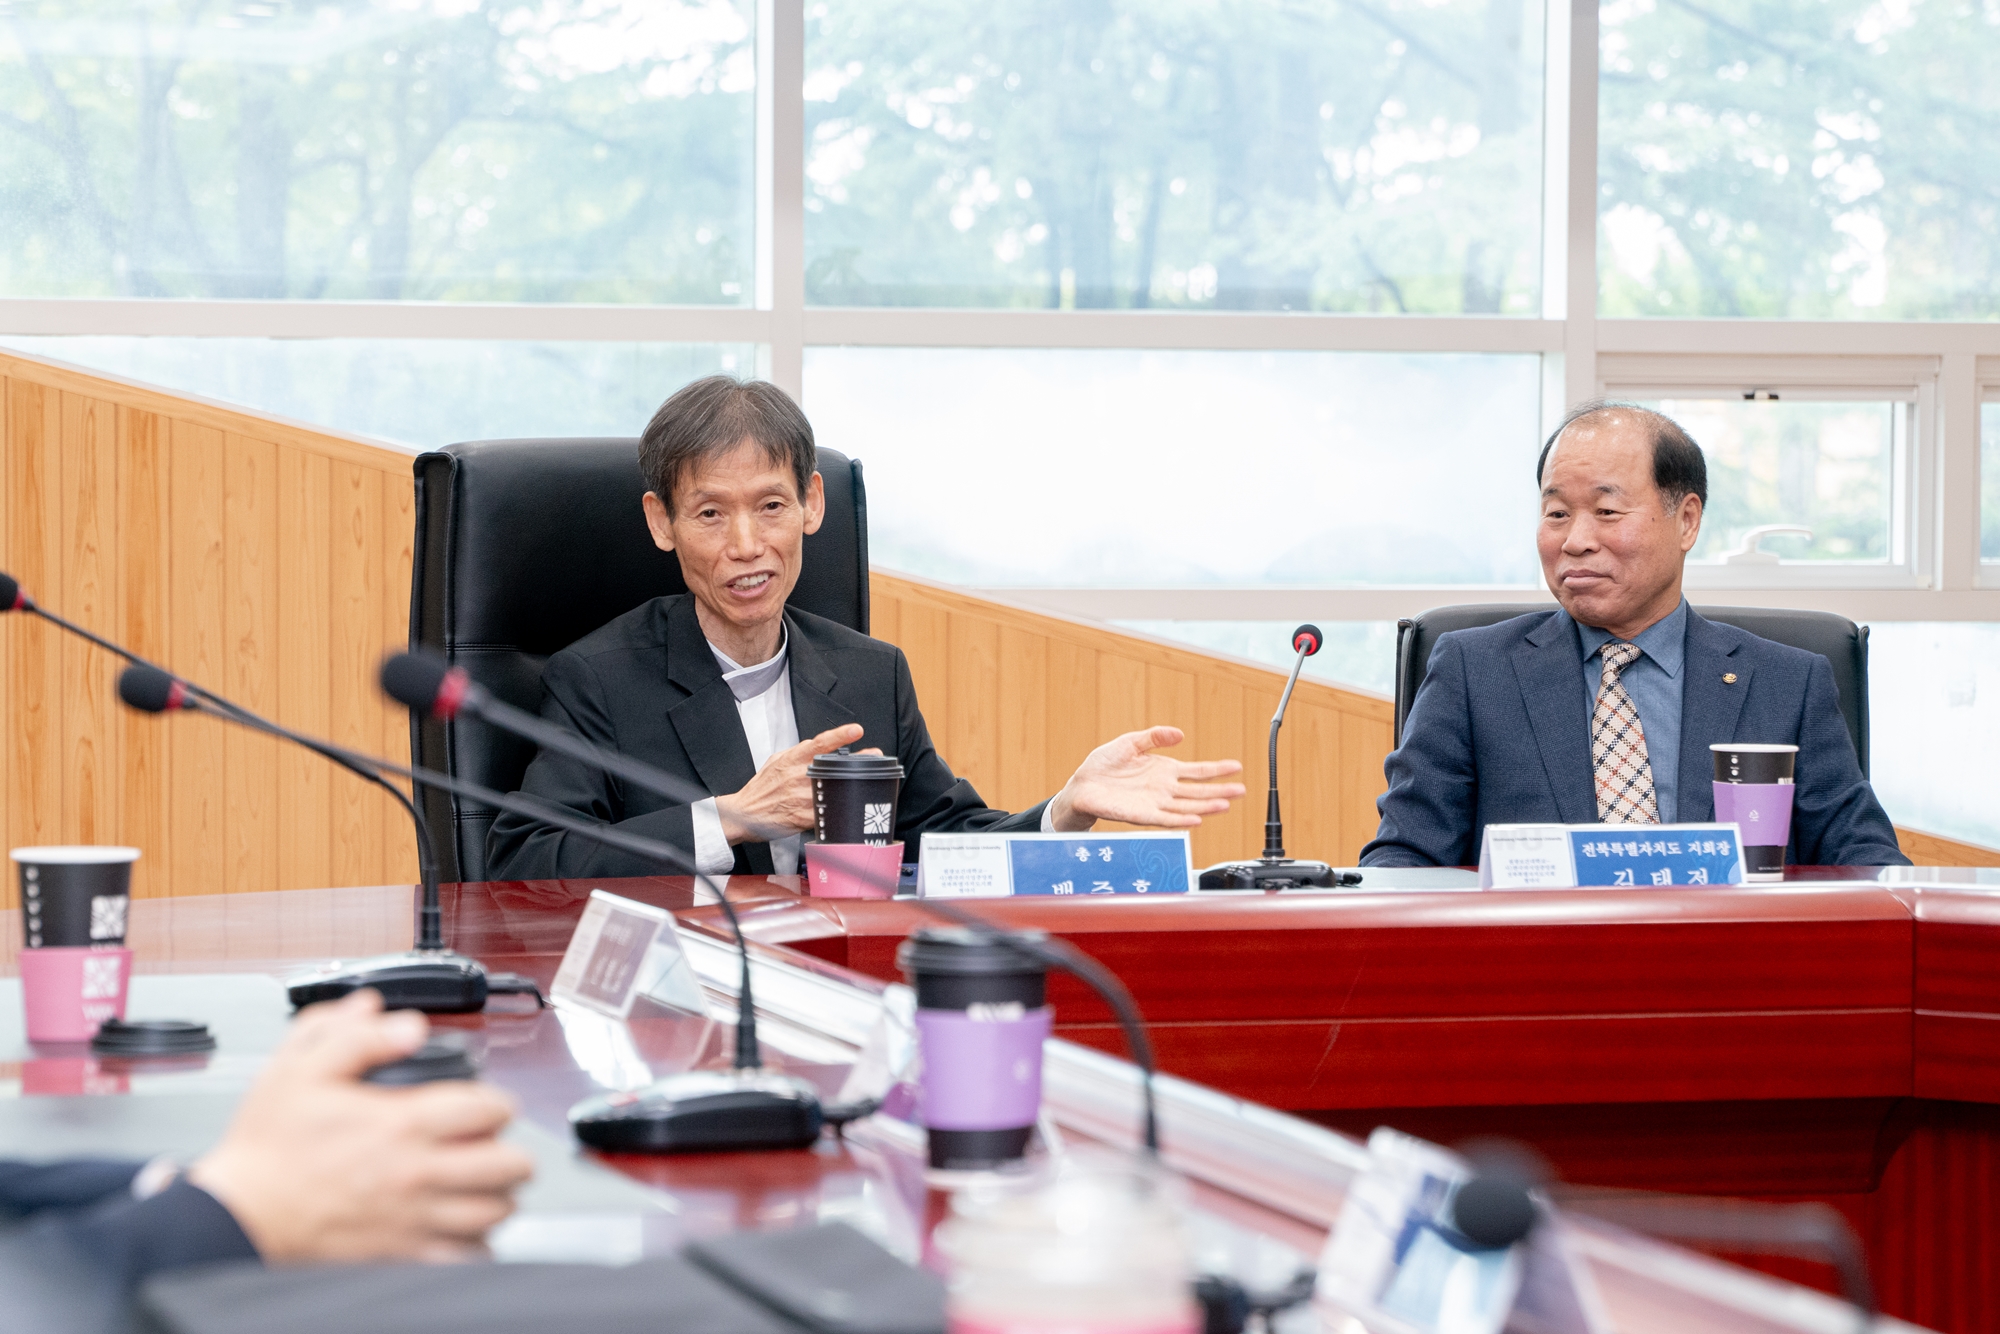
x: 359, y: 813
x: 304, y: 666
x: 1218, y: 709
x: 927, y: 644
x: 93, y: 734
x: 1021, y: 702
x: 35, y: 728
x: 969, y: 735
x: 1121, y: 694
x: 250, y: 573
x: 399, y: 511
x: 145, y: 455
x: 198, y: 650
x: 1072, y: 729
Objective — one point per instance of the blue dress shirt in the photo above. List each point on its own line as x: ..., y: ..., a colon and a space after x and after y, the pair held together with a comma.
x: 1653, y: 679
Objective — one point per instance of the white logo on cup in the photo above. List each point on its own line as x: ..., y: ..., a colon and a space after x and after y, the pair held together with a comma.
x: 878, y: 818
x: 107, y: 917
x: 100, y: 979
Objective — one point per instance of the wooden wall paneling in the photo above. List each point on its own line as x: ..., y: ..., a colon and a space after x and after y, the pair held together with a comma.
x: 1070, y: 718
x: 1934, y: 850
x: 35, y: 727
x: 1020, y: 703
x: 145, y: 452
x: 926, y: 642
x: 1365, y: 744
x: 970, y: 733
x: 304, y: 665
x: 88, y: 593
x: 360, y: 814
x: 1170, y: 701
x: 250, y: 571
x: 1218, y: 711
x: 198, y: 650
x: 399, y: 518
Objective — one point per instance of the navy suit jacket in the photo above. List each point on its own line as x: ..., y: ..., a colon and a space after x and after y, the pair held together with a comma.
x: 1498, y: 734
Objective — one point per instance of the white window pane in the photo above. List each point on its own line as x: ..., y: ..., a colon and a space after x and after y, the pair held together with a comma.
x: 1989, y: 482
x: 1829, y: 467
x: 418, y: 392
x: 1355, y: 653
x: 1083, y: 469
x: 1260, y: 155
x: 579, y: 150
x: 1934, y: 715
x: 1799, y: 160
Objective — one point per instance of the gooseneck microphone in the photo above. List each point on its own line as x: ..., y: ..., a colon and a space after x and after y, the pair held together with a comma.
x: 158, y: 680
x: 1274, y: 870
x: 428, y: 977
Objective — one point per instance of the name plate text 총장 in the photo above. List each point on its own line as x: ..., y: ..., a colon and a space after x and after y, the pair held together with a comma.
x: 997, y: 866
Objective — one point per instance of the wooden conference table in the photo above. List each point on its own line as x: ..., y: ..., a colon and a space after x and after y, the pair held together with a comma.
x: 1229, y: 983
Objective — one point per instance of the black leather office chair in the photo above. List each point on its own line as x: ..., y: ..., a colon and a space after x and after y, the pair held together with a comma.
x: 525, y: 546
x: 1840, y: 641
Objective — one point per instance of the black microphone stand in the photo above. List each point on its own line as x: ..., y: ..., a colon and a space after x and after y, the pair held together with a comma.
x: 430, y: 917
x: 426, y: 977
x: 1274, y: 870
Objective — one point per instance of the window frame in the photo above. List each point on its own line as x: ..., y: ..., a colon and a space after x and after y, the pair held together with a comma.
x: 1946, y: 370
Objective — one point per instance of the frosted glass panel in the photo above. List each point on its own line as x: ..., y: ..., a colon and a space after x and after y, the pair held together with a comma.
x: 1084, y: 469
x: 1934, y: 715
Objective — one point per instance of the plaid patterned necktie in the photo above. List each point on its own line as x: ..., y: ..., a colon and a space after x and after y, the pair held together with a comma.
x: 1618, y: 746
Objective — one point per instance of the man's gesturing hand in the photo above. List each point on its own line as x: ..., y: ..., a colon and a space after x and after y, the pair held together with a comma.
x: 1124, y: 780
x: 320, y: 1166
x: 780, y: 797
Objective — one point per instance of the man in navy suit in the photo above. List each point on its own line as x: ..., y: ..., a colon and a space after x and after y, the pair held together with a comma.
x: 1605, y: 709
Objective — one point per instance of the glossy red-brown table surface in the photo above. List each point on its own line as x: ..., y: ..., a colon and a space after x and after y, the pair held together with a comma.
x: 1264, y: 1187
x: 1836, y: 1037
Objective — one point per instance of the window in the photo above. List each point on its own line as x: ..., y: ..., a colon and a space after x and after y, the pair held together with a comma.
x: 1818, y: 161
x: 417, y: 392
x: 1827, y: 471
x: 1268, y: 156
x: 482, y: 150
x: 1989, y: 482
x: 1149, y: 469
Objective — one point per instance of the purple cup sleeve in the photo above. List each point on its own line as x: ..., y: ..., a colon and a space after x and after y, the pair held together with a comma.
x: 1762, y: 810
x: 982, y: 1074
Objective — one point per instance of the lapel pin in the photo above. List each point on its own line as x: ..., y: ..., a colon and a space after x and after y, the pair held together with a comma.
x: 1729, y: 678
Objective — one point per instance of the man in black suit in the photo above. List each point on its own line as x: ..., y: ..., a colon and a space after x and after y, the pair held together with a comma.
x: 316, y: 1166
x: 726, y: 687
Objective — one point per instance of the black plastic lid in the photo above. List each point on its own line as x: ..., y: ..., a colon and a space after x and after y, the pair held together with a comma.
x: 152, y: 1037
x: 962, y: 952
x: 843, y: 763
x: 443, y: 1056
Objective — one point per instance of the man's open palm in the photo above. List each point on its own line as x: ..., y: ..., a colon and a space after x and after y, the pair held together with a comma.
x: 1126, y: 779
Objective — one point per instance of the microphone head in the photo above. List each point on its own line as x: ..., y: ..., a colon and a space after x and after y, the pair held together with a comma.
x: 426, y: 683
x: 150, y: 690
x: 1307, y: 639
x: 1493, y: 1210
x: 11, y: 596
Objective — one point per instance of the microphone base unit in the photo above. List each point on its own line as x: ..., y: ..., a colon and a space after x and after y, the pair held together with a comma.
x: 434, y: 981
x: 1276, y: 873
x: 703, y: 1111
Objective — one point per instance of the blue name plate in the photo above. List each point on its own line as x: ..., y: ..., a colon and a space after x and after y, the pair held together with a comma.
x: 1054, y: 865
x: 1539, y: 856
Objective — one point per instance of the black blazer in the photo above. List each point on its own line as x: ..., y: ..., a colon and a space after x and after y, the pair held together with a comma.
x: 647, y: 685
x: 1498, y: 734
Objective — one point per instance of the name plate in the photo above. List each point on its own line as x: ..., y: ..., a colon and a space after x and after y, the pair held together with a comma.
x: 1545, y: 856
x: 620, y: 950
x: 998, y: 866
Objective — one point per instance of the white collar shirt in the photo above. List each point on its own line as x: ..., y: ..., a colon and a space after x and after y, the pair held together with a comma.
x: 764, y: 706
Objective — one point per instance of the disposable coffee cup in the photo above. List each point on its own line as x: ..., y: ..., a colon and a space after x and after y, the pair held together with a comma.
x: 74, y: 897
x: 982, y: 1017
x: 1753, y: 791
x: 854, y: 797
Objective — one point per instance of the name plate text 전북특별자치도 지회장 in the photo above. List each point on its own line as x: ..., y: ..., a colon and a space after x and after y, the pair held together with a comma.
x: 1547, y: 856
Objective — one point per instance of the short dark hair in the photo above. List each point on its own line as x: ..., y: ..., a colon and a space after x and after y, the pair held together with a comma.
x: 714, y: 415
x: 1678, y: 466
